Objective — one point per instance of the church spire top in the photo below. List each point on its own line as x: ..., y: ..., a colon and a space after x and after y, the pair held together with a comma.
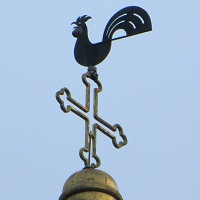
x: 90, y: 183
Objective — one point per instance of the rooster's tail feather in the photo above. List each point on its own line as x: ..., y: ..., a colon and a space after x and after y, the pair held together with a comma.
x: 133, y: 20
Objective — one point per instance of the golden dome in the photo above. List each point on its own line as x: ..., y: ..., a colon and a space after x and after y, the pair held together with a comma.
x: 90, y: 184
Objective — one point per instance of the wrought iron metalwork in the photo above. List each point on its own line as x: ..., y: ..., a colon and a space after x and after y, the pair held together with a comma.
x: 133, y: 20
x: 90, y: 135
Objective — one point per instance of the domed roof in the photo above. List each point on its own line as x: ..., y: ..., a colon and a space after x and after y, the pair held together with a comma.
x: 89, y: 184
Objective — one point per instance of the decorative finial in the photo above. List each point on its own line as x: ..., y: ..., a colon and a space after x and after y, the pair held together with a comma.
x: 133, y: 20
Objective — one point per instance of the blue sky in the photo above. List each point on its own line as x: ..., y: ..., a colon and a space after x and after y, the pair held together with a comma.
x: 150, y: 87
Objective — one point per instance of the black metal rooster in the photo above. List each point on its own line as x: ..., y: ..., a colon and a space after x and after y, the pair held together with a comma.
x: 133, y: 20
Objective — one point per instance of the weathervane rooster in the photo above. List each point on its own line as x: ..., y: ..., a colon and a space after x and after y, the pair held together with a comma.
x: 133, y: 20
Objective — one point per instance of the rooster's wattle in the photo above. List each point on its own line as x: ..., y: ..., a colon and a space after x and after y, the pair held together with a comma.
x: 133, y: 20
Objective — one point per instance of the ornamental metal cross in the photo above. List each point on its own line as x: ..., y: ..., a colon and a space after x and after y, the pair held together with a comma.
x: 90, y: 135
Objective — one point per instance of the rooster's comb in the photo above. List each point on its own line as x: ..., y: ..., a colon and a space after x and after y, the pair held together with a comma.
x: 79, y: 20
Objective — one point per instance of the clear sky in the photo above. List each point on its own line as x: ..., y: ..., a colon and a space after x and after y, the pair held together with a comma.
x: 151, y: 88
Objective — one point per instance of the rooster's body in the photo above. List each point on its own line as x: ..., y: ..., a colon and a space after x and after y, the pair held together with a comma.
x: 133, y: 20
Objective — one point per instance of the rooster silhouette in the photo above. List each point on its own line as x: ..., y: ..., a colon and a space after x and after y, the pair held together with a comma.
x: 133, y: 20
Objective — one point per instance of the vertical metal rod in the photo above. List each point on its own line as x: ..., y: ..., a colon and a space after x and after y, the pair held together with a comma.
x: 89, y: 155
